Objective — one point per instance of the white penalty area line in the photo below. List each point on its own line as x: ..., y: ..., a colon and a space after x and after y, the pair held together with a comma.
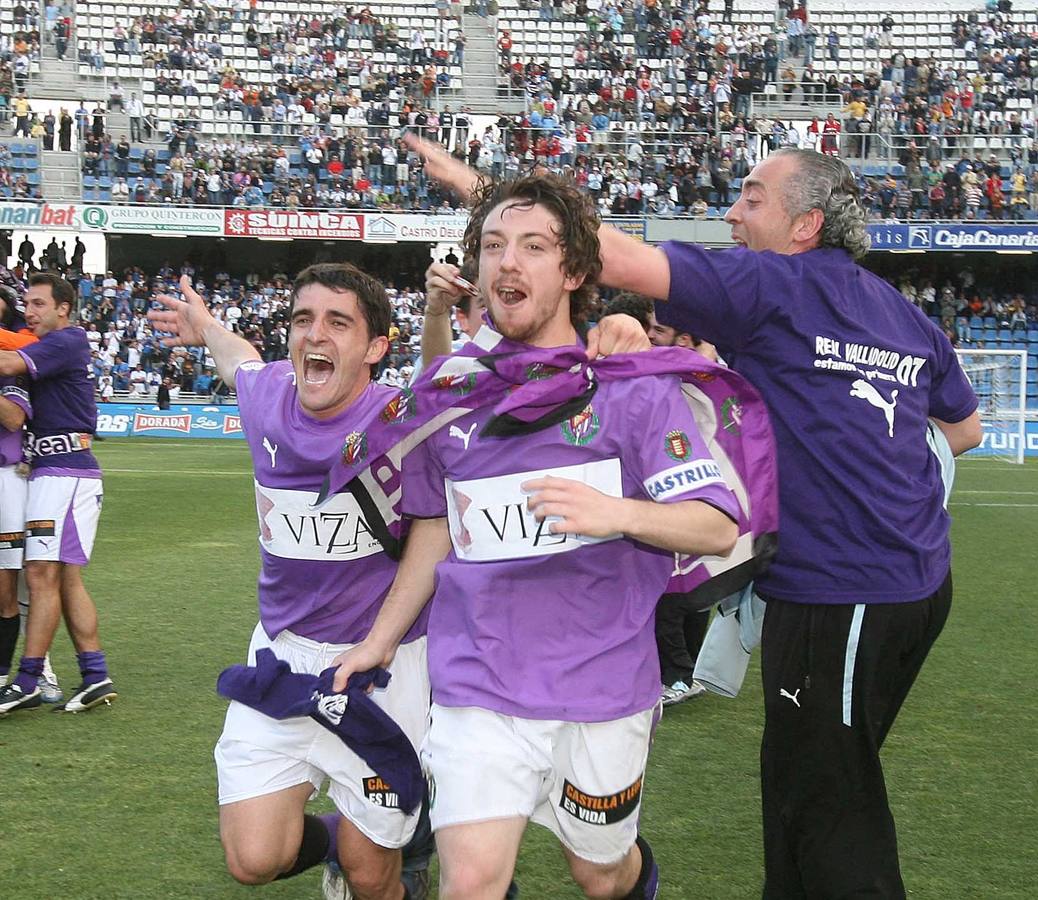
x: 158, y: 472
x: 1015, y: 505
x: 1011, y: 493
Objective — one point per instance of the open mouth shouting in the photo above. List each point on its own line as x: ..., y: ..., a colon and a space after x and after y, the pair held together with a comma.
x: 511, y: 296
x: 317, y: 368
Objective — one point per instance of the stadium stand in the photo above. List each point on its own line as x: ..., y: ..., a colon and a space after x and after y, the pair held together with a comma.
x: 655, y: 109
x: 680, y: 107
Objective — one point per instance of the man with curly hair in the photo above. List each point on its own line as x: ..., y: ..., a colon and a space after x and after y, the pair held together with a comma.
x: 554, y: 541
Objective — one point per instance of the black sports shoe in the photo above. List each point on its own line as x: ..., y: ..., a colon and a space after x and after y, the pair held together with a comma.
x: 87, y: 696
x: 416, y: 883
x: 13, y: 698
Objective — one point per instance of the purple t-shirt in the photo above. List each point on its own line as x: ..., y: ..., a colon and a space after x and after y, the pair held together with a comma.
x: 62, y: 398
x: 851, y: 372
x: 15, y: 389
x: 323, y: 573
x: 545, y: 626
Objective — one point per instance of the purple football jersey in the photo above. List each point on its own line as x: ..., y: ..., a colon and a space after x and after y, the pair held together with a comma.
x: 15, y: 389
x: 555, y: 626
x: 851, y: 372
x: 324, y: 574
x: 62, y: 399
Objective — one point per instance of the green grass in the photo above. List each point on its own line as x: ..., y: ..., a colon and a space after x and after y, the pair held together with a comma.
x: 120, y: 803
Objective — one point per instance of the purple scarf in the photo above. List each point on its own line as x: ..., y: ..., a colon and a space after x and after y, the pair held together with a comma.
x: 272, y: 688
x: 533, y: 388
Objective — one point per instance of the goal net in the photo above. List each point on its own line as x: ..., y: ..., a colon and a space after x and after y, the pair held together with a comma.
x: 999, y: 378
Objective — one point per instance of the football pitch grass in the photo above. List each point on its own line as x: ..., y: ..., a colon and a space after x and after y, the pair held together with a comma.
x: 120, y: 802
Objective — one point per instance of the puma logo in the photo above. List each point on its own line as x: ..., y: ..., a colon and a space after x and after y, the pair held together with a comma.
x: 463, y: 436
x: 867, y: 392
x: 272, y: 450
x: 784, y: 693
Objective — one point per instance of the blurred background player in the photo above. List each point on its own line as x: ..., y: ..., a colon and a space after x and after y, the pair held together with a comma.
x: 64, y: 498
x: 14, y: 600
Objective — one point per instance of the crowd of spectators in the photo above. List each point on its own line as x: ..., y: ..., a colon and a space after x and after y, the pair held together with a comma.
x: 964, y: 307
x: 128, y: 358
x: 694, y: 136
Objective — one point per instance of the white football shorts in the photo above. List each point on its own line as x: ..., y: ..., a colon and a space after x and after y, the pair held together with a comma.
x: 258, y: 755
x: 14, y: 489
x: 582, y: 781
x: 61, y: 518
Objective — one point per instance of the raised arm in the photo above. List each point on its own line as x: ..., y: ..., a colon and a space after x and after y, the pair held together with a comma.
x: 633, y: 265
x: 441, y: 293
x: 627, y: 263
x: 192, y: 325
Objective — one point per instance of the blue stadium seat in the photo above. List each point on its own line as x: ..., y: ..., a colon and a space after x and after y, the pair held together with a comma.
x: 104, y: 182
x: 990, y: 321
x: 975, y: 321
x: 89, y: 181
x: 1005, y: 335
x: 105, y: 196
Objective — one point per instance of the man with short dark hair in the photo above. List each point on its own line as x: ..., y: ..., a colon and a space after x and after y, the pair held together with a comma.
x: 323, y: 579
x: 64, y: 498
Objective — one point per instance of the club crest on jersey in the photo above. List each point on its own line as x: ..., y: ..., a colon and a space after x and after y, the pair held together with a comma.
x: 355, y: 448
x: 460, y: 384
x: 581, y: 428
x: 401, y: 408
x: 731, y: 415
x: 677, y: 446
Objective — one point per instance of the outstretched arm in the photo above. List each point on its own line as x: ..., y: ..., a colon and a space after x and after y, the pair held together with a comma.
x: 192, y: 325
x: 427, y: 544
x: 627, y: 263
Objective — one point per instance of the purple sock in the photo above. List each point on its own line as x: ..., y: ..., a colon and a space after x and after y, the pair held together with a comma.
x: 331, y: 822
x: 29, y: 669
x: 92, y: 666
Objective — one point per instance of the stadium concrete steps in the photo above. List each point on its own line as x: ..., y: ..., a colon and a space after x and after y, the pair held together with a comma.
x: 59, y: 79
x: 480, y: 76
x: 60, y: 177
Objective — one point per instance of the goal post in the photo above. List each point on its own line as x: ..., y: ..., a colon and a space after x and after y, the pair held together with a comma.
x: 999, y: 378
